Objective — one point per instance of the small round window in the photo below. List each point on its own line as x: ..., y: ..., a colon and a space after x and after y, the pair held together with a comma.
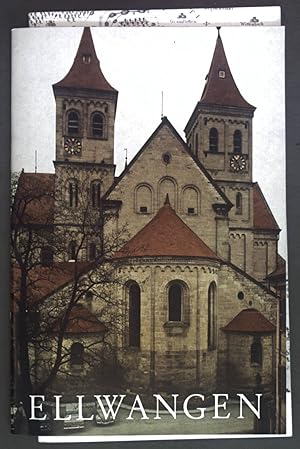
x: 166, y: 158
x: 240, y: 295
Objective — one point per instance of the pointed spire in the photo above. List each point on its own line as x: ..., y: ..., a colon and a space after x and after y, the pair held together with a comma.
x: 85, y: 72
x: 220, y: 88
x: 167, y: 200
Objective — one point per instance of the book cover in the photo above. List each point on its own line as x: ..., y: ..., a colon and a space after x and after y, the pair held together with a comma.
x: 148, y: 234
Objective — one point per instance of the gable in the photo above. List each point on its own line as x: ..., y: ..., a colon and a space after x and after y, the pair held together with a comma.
x: 165, y: 166
x: 158, y: 139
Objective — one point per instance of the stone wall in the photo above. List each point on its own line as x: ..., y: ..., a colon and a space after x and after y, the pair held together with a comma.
x: 94, y: 150
x: 177, y: 353
x: 226, y: 124
x: 147, y: 182
x: 264, y: 254
x: 242, y: 371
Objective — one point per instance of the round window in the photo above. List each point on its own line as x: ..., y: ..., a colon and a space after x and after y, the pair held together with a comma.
x: 166, y: 158
x: 240, y: 295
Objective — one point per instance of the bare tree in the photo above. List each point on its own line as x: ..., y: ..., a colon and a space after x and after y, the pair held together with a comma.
x: 62, y: 292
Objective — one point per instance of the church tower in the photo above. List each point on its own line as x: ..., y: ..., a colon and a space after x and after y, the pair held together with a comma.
x: 84, y: 166
x: 85, y: 115
x: 219, y: 134
x: 219, y: 131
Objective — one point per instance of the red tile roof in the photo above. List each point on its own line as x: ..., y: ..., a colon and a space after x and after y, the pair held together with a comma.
x: 222, y: 91
x: 280, y: 271
x: 42, y: 281
x: 249, y: 321
x: 81, y: 320
x: 263, y: 217
x: 166, y: 235
x: 34, y: 200
x: 84, y: 75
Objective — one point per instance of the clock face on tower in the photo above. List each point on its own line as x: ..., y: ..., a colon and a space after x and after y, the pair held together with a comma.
x: 72, y: 145
x: 238, y: 163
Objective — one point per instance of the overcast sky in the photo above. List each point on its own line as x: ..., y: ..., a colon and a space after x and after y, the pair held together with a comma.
x: 141, y: 63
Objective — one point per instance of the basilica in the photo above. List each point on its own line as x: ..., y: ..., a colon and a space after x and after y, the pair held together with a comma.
x: 198, y: 261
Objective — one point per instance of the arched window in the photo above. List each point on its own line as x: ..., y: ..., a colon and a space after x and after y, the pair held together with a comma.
x: 237, y: 141
x: 77, y: 354
x: 46, y: 256
x: 98, y: 124
x: 92, y: 251
x: 95, y: 194
x: 72, y: 250
x: 238, y: 203
x: 143, y: 199
x: 190, y: 196
x: 73, y: 193
x: 175, y: 299
x: 212, y: 317
x: 213, y: 140
x: 73, y: 123
x: 256, y: 352
x: 134, y: 315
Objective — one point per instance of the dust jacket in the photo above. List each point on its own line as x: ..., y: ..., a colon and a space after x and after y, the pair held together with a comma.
x: 148, y: 234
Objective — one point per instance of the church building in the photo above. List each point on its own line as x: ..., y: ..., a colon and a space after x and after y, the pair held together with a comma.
x: 198, y: 308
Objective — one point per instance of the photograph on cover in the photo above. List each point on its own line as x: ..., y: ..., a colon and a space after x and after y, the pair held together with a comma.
x: 148, y: 233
